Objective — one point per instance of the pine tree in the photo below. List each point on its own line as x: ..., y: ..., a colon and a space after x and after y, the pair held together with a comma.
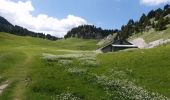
x: 151, y: 14
x: 161, y: 24
x: 166, y: 7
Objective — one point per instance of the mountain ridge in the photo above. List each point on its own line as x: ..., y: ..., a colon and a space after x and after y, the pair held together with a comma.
x: 6, y: 26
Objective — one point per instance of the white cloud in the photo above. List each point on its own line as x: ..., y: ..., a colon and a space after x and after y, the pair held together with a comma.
x: 153, y: 2
x: 19, y: 13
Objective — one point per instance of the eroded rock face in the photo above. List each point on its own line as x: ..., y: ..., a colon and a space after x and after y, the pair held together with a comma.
x: 158, y: 42
x: 140, y: 42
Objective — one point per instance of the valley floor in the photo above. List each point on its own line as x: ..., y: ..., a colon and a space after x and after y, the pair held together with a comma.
x: 69, y: 70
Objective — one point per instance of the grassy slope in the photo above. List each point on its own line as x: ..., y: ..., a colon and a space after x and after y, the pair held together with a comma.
x: 153, y: 35
x: 71, y: 43
x: 149, y: 68
x: 34, y: 78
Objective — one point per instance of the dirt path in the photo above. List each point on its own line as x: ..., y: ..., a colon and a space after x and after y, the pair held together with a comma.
x: 3, y: 86
x: 18, y: 73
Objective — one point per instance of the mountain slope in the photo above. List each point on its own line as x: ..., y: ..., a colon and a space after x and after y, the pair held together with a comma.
x: 6, y: 26
x: 4, y: 21
x: 151, y: 38
x: 89, y: 32
x: 7, y: 39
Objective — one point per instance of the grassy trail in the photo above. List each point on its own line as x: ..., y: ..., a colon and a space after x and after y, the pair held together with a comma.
x: 17, y: 74
x: 21, y: 73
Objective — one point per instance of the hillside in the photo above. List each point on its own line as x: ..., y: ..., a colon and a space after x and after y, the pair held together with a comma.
x: 157, y: 20
x: 152, y: 35
x: 38, y: 69
x: 3, y: 21
x: 151, y: 38
x: 89, y: 32
x: 7, y: 27
x: 69, y: 44
x: 151, y: 30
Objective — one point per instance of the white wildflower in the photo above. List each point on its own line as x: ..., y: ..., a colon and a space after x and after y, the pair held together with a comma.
x: 48, y: 56
x: 66, y: 96
x: 77, y: 70
x: 64, y: 62
x: 127, y: 89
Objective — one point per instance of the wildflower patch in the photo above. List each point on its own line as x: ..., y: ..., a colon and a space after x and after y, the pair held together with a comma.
x: 117, y: 82
x: 77, y: 70
x: 66, y: 96
x: 85, y: 58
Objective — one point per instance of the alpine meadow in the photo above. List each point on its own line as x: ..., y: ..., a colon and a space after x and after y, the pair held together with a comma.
x: 81, y: 61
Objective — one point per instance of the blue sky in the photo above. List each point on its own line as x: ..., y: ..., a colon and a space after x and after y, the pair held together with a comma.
x: 56, y: 17
x: 103, y: 13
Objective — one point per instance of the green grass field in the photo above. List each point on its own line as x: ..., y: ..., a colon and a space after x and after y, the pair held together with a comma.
x: 38, y: 69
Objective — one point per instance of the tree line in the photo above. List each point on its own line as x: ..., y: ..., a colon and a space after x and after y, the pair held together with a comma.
x: 6, y: 26
x: 89, y: 32
x: 157, y: 19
